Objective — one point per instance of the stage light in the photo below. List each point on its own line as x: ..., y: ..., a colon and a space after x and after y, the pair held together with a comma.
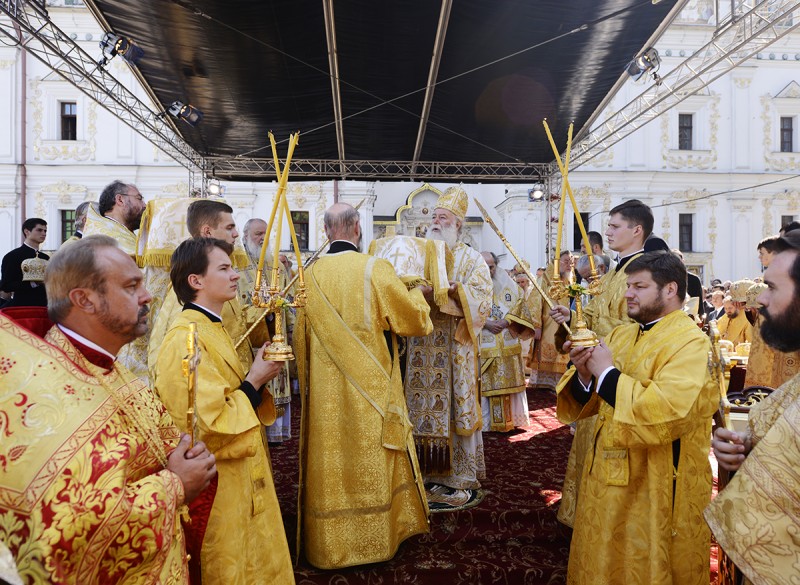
x: 536, y: 193
x: 214, y: 187
x: 113, y: 45
x: 185, y: 112
x: 647, y: 61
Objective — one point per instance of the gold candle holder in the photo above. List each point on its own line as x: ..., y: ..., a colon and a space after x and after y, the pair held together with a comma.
x: 581, y: 335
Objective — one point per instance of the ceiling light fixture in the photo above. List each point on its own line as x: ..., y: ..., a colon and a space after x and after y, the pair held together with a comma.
x: 185, y: 112
x: 113, y: 45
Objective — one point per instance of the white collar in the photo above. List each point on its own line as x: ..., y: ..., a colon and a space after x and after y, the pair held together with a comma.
x: 84, y: 341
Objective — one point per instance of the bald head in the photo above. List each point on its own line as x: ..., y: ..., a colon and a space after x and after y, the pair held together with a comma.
x: 342, y: 223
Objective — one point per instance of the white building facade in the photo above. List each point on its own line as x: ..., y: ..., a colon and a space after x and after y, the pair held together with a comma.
x: 720, y: 170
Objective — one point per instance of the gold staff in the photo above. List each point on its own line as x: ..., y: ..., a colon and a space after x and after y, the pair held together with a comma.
x: 500, y: 235
x: 716, y: 364
x: 190, y: 363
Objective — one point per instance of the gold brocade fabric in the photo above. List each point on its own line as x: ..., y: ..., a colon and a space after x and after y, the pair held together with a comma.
x: 501, y: 353
x: 361, y: 490
x: 445, y: 413
x: 97, y: 224
x: 84, y: 498
x: 604, y: 312
x: 245, y: 540
x: 235, y: 319
x: 756, y: 518
x: 737, y: 330
x: 545, y: 359
x: 638, y: 519
x: 769, y: 367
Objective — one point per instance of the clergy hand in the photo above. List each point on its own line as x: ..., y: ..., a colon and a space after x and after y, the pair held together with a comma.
x: 560, y: 314
x: 495, y: 326
x: 427, y: 292
x: 601, y: 359
x: 453, y: 290
x: 194, y: 466
x: 262, y: 371
x: 730, y: 448
x: 579, y: 356
x: 537, y: 333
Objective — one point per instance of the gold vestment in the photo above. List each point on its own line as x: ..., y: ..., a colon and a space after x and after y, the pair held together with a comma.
x: 767, y: 366
x: 361, y: 489
x: 603, y: 313
x: 639, y: 518
x: 84, y: 496
x: 245, y: 540
x: 442, y: 391
x: 756, y: 517
x: 737, y: 330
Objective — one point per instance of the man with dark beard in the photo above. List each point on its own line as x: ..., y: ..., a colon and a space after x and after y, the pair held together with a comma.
x: 755, y: 518
x: 647, y: 478
x: 119, y: 214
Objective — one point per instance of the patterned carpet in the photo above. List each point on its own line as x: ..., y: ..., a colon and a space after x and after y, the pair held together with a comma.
x: 512, y: 537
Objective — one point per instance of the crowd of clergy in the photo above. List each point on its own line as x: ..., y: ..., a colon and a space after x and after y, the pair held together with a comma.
x: 143, y: 379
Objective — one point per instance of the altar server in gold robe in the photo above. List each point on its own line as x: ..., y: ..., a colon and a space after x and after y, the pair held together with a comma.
x: 361, y: 492
x: 93, y: 479
x: 756, y: 517
x: 504, y: 403
x: 118, y: 215
x: 206, y: 218
x: 244, y: 540
x: 442, y: 395
x: 629, y: 224
x: 646, y: 477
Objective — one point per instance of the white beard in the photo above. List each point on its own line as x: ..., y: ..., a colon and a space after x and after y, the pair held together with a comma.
x: 448, y: 235
x: 254, y: 251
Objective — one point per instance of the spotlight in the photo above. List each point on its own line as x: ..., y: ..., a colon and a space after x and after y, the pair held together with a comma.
x: 113, y: 45
x: 214, y: 187
x: 647, y: 61
x: 187, y: 113
x: 536, y: 193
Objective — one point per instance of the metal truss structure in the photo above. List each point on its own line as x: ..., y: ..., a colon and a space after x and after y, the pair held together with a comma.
x: 45, y: 41
x: 263, y: 168
x: 756, y: 26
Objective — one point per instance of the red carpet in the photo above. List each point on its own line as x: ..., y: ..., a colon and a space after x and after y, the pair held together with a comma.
x: 512, y: 537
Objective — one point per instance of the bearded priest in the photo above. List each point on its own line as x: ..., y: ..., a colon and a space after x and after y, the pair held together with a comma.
x: 442, y: 395
x: 646, y: 481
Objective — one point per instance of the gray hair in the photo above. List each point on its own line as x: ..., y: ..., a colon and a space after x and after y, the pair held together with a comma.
x: 72, y: 267
x: 583, y: 262
x: 108, y: 198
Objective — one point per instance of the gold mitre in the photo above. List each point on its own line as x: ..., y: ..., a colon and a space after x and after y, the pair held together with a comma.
x: 518, y: 269
x: 33, y: 269
x: 752, y: 294
x: 738, y: 290
x: 454, y: 199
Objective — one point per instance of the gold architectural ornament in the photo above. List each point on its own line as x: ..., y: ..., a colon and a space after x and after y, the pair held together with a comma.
x: 455, y: 200
x: 33, y: 269
x: 701, y: 159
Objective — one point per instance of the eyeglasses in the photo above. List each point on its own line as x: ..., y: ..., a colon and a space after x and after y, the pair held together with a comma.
x: 137, y: 197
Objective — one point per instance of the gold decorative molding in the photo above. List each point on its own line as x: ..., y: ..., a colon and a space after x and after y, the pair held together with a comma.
x: 697, y: 159
x: 766, y: 218
x: 742, y: 82
x: 712, y: 232
x: 585, y: 196
x: 778, y: 161
x: 64, y: 150
x: 179, y: 189
x: 6, y: 64
x: 665, y: 223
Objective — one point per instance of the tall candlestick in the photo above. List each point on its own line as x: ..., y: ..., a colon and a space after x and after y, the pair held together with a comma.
x: 561, y: 207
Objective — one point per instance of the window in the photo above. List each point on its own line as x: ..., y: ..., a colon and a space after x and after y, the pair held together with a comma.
x: 685, y: 221
x: 300, y: 221
x: 685, y: 125
x: 69, y: 121
x: 576, y: 231
x: 787, y: 133
x: 67, y: 224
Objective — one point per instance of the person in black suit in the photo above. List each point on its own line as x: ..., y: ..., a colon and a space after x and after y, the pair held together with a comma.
x: 26, y: 293
x: 719, y: 308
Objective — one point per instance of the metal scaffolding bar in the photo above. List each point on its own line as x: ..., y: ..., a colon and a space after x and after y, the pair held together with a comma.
x: 45, y: 41
x: 746, y: 35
